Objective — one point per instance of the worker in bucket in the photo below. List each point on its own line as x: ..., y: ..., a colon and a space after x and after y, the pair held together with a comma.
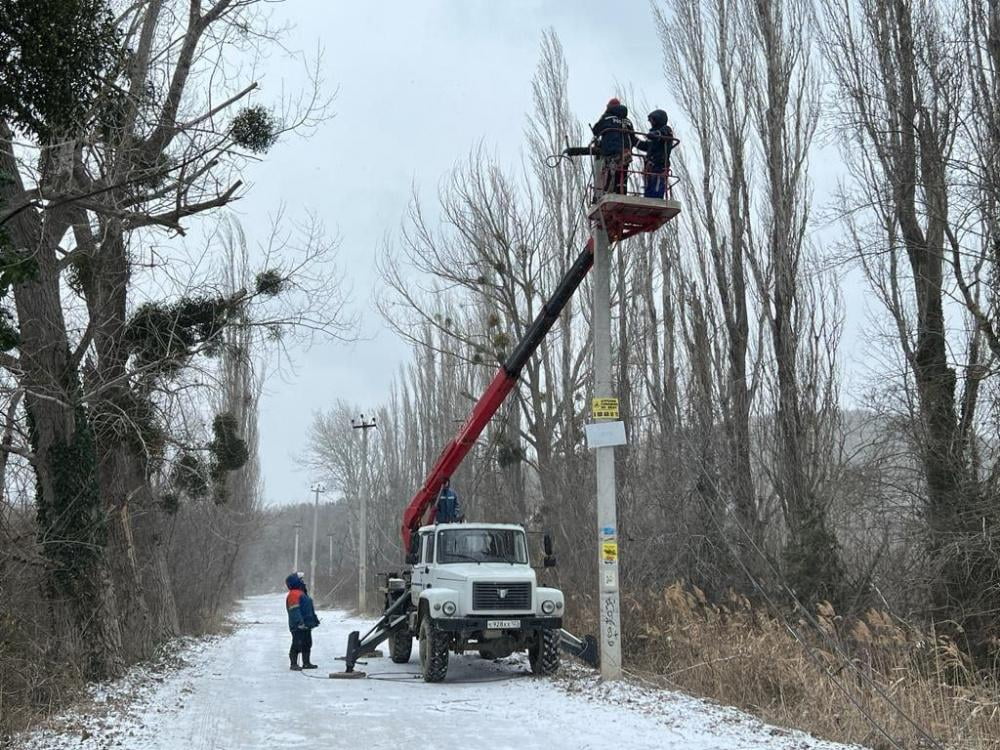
x: 615, y: 138
x: 657, y: 146
x: 301, y: 621
x: 448, y: 508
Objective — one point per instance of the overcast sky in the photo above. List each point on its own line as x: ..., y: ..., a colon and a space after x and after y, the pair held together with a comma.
x: 418, y: 84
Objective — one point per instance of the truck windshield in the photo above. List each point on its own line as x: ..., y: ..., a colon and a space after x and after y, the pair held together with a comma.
x: 482, y: 545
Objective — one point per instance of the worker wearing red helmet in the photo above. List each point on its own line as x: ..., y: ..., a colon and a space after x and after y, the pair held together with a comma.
x: 615, y: 138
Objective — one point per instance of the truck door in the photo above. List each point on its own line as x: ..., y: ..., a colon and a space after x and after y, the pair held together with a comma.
x: 421, y: 573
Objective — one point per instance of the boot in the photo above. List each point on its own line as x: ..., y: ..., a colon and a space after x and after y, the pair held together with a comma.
x: 306, y: 664
x: 293, y: 657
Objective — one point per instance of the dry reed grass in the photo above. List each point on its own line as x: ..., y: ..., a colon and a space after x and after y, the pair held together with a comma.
x: 739, y: 655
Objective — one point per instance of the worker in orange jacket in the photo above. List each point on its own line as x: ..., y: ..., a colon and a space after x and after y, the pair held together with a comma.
x: 301, y: 621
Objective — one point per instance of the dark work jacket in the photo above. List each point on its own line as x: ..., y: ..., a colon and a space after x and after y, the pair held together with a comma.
x: 614, y: 132
x: 448, y: 509
x: 660, y: 141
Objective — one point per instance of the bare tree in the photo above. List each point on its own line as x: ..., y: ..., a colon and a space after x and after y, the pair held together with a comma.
x: 144, y: 151
x: 901, y: 81
x: 508, y: 239
x: 700, y: 45
x: 785, y: 100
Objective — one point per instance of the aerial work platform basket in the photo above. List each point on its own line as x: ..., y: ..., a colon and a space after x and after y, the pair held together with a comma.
x: 625, y: 215
x: 619, y: 199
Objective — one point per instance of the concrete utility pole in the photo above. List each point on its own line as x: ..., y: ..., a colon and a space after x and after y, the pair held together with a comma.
x: 330, y: 537
x: 607, y: 515
x: 317, y: 488
x: 364, y: 426
x: 295, y: 564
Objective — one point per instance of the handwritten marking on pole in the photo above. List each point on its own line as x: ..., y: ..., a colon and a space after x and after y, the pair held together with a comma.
x: 604, y: 408
x: 609, y: 617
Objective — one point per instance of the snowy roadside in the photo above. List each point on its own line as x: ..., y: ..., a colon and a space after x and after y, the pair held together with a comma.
x: 235, y: 691
x: 115, y: 714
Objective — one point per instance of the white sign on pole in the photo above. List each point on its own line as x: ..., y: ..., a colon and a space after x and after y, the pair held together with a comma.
x: 605, y: 434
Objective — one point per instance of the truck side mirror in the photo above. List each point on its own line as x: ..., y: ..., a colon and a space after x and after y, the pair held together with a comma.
x: 413, y: 556
x: 549, y: 561
x: 547, y: 544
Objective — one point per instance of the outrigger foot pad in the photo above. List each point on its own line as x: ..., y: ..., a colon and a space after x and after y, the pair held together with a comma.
x: 347, y: 675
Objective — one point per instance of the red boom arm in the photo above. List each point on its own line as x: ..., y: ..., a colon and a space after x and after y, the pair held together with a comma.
x: 501, y: 385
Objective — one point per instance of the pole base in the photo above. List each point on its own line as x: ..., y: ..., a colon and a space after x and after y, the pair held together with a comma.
x: 347, y: 675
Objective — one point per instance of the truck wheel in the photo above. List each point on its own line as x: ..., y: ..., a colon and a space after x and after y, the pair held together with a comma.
x: 400, y: 646
x: 433, y: 652
x: 544, y: 653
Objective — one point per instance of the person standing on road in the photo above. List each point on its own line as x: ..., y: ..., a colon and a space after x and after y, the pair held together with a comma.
x: 448, y: 508
x: 301, y: 621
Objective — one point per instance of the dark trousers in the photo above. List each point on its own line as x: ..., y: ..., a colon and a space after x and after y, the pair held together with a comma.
x: 656, y: 182
x: 302, y: 643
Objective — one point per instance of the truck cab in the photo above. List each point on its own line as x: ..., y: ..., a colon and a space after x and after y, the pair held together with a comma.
x: 471, y: 588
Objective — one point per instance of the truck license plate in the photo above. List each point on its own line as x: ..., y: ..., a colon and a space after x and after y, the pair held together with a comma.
x: 503, y: 624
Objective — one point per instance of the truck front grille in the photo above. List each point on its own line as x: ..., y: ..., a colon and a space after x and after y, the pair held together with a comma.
x: 501, y: 596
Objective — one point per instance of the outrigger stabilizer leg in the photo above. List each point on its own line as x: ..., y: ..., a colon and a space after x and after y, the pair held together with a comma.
x: 386, y: 625
x: 584, y: 649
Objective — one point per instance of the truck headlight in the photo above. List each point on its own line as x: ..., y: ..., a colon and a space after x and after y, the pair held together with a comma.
x: 449, y: 608
x: 548, y: 607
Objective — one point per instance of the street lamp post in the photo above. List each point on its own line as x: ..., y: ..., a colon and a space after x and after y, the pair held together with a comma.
x: 317, y: 488
x: 295, y: 563
x: 330, y: 537
x: 363, y: 425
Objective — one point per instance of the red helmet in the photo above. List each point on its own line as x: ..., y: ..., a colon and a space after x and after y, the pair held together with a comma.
x: 614, y: 101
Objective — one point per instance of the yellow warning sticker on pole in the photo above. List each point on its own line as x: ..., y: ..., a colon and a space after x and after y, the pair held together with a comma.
x: 604, y: 408
x: 609, y: 552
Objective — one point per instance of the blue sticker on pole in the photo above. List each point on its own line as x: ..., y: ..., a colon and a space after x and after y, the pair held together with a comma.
x: 608, y: 531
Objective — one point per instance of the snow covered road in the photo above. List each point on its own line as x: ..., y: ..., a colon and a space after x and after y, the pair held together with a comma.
x: 236, y: 692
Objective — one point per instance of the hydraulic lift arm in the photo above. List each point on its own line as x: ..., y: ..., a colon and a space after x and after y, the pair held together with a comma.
x: 501, y: 385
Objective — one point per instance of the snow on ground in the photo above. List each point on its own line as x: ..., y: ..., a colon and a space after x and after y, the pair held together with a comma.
x: 236, y: 692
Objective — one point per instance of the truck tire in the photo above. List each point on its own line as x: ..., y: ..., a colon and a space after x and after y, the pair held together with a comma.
x: 544, y: 653
x: 400, y: 646
x: 433, y: 652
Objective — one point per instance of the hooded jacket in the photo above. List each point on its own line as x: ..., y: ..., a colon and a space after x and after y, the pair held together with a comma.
x: 660, y: 141
x: 614, y: 132
x: 299, y: 605
x: 448, y: 508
